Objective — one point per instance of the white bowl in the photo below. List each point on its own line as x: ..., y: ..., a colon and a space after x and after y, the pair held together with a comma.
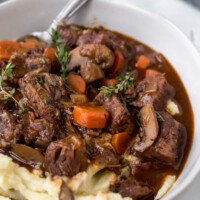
x: 24, y: 16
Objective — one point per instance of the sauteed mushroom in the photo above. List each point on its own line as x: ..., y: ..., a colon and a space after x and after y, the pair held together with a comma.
x: 149, y: 126
x: 91, y: 58
x: 27, y: 155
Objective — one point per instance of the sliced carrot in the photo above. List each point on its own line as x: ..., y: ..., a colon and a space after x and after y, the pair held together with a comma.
x: 29, y: 45
x: 77, y: 83
x: 119, y: 62
x: 51, y: 54
x: 90, y: 116
x: 142, y: 62
x: 151, y: 72
x: 109, y: 82
x: 121, y: 141
x: 7, y: 48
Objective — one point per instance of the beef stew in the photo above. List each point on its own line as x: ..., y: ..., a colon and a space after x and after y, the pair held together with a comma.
x: 94, y: 96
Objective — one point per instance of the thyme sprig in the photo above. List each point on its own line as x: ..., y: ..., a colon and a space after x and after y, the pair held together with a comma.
x: 62, y: 53
x: 56, y: 36
x: 63, y: 58
x: 125, y: 81
x: 7, y: 71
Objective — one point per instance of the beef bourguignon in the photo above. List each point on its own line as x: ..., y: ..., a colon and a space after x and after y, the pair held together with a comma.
x: 94, y: 96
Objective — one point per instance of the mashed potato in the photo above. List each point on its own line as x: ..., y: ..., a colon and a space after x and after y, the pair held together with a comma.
x: 169, y: 181
x: 19, y: 183
x: 172, y: 108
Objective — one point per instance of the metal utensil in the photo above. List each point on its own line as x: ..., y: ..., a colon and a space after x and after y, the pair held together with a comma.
x: 67, y: 12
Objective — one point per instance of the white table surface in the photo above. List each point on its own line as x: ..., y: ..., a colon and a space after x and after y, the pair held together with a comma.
x: 187, y: 18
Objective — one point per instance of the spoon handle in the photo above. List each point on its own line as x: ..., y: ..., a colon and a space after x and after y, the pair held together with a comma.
x: 70, y: 9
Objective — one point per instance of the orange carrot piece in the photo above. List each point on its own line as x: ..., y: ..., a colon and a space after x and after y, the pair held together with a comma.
x: 109, y: 82
x: 51, y: 54
x: 29, y: 45
x: 151, y: 72
x: 7, y: 48
x: 77, y: 83
x: 121, y: 141
x: 90, y: 116
x: 143, y: 62
x: 119, y: 62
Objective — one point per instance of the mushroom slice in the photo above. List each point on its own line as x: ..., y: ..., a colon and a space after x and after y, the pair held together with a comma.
x: 65, y: 193
x: 91, y: 72
x: 99, y: 54
x: 91, y: 54
x: 27, y: 155
x: 149, y: 125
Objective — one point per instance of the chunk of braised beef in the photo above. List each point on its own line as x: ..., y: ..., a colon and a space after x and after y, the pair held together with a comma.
x: 10, y: 130
x: 120, y: 118
x: 42, y: 91
x: 26, y: 61
x: 38, y: 132
x: 108, y: 38
x: 66, y: 157
x: 154, y: 90
x: 170, y: 144
x: 69, y: 34
x: 130, y: 93
x: 130, y: 188
x: 101, y: 151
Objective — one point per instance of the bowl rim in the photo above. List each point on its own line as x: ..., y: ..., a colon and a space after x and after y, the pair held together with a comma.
x: 195, y: 170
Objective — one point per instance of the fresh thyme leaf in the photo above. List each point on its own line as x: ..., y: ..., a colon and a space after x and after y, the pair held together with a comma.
x: 159, y: 117
x: 7, y: 71
x: 62, y: 55
x: 55, y: 36
x: 4, y: 84
x: 125, y: 81
x: 75, y: 28
x: 43, y: 61
x: 12, y: 91
x: 63, y: 58
x: 6, y: 97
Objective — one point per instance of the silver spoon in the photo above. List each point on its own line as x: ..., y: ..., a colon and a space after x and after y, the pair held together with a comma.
x: 67, y: 12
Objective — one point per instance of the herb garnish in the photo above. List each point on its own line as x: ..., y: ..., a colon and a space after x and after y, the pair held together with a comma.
x: 7, y: 71
x: 63, y: 58
x: 75, y: 28
x: 62, y: 54
x: 159, y: 117
x: 43, y: 61
x: 55, y: 36
x: 125, y: 81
